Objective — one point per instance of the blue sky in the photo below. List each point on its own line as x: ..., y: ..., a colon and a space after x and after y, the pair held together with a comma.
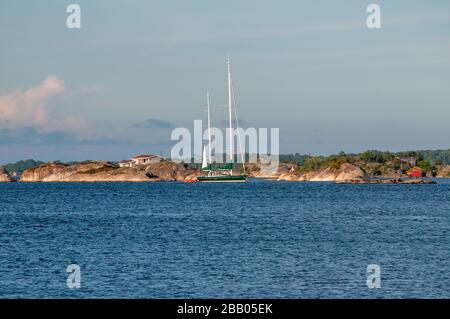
x: 136, y: 69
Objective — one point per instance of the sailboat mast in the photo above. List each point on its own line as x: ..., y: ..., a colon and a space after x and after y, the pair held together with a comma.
x: 229, y: 108
x: 209, y: 127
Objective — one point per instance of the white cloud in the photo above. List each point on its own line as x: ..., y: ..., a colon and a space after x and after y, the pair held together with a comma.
x: 29, y: 108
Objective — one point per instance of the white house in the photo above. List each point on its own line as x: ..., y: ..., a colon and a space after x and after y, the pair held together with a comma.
x: 140, y: 160
x: 126, y: 163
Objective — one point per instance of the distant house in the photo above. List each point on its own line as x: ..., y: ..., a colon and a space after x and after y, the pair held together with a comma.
x: 146, y: 159
x: 415, y: 172
x: 126, y: 163
x: 141, y: 160
x: 411, y: 160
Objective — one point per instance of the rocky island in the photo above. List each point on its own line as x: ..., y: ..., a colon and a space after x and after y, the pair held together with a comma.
x: 166, y: 170
x: 443, y: 171
x: 103, y: 171
x: 5, y: 176
x: 370, y: 167
x: 345, y: 172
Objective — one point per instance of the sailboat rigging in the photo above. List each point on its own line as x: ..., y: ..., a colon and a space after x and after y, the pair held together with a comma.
x: 224, y: 173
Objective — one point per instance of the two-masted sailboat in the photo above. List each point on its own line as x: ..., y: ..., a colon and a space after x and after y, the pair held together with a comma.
x: 225, y: 172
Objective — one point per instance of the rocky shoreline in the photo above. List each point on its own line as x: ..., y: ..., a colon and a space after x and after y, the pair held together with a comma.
x: 5, y: 176
x: 103, y: 171
x: 166, y: 170
x: 347, y: 174
x: 443, y: 171
x: 344, y: 172
x: 389, y: 181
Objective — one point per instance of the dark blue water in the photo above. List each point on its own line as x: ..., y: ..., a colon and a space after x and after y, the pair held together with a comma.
x: 259, y: 239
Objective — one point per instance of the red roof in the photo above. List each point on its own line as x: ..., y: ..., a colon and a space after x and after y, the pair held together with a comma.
x: 415, y: 172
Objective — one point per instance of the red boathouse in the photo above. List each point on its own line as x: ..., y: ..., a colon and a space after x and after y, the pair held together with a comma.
x: 415, y: 172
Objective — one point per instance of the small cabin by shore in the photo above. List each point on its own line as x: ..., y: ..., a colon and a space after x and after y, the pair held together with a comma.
x: 415, y: 172
x: 141, y: 160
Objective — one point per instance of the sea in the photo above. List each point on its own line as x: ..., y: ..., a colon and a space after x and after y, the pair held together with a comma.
x: 261, y: 239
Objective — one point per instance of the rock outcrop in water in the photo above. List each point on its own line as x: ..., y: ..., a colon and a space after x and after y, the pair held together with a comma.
x: 257, y: 170
x: 443, y: 171
x: 5, y: 176
x: 103, y: 171
x: 346, y: 172
x: 171, y: 171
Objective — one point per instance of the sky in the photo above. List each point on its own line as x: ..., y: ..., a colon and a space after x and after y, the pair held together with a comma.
x: 136, y: 70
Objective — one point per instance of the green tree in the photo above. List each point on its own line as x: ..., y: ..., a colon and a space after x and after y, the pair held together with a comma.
x: 425, y: 165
